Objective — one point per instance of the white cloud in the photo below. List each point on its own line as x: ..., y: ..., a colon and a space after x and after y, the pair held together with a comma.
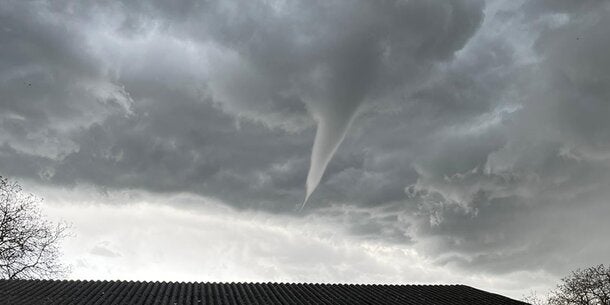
x: 151, y: 238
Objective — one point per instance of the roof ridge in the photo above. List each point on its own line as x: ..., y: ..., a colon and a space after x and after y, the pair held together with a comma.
x: 239, y: 282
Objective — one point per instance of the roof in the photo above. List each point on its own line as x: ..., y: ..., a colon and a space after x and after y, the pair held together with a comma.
x: 34, y: 292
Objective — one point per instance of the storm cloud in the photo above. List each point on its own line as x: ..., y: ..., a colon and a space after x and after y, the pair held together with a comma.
x: 473, y: 132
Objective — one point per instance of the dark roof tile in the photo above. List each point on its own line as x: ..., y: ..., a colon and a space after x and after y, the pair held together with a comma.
x: 47, y: 292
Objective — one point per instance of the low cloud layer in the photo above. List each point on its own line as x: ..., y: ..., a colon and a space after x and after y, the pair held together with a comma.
x: 474, y: 131
x: 217, y: 243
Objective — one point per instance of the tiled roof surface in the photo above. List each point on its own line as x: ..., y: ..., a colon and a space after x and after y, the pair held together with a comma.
x: 35, y: 292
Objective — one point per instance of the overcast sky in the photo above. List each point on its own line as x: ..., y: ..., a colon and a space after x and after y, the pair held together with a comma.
x: 466, y: 141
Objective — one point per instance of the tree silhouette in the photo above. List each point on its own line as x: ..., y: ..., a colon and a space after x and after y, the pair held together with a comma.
x: 590, y: 286
x: 29, y: 244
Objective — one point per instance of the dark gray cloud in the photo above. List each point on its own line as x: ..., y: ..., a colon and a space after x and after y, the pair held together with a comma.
x: 479, y: 131
x: 504, y: 201
x: 268, y: 65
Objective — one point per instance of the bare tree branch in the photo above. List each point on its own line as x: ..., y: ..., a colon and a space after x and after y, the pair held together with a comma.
x: 590, y: 286
x: 29, y: 244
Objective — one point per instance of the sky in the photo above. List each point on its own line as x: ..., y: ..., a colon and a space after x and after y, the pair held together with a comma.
x: 436, y: 142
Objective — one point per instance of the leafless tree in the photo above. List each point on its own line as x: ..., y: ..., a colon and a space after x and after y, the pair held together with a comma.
x: 29, y: 244
x: 534, y: 299
x: 590, y: 286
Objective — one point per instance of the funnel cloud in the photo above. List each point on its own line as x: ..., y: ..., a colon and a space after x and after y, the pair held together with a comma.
x: 330, y: 133
x: 331, y: 57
